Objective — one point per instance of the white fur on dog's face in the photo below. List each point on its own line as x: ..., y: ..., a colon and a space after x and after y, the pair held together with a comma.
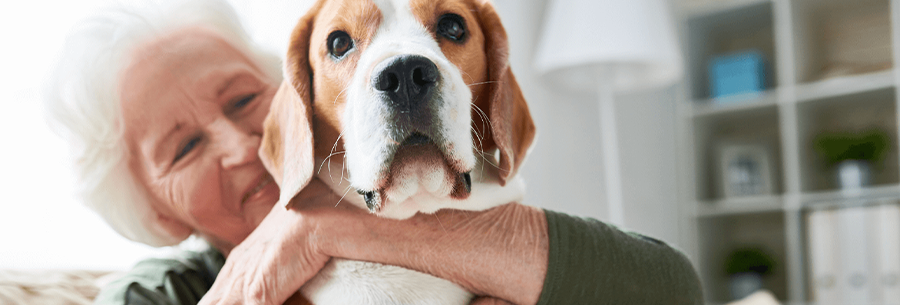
x: 371, y: 138
x: 413, y: 149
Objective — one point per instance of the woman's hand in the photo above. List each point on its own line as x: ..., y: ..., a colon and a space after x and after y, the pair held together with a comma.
x: 271, y: 264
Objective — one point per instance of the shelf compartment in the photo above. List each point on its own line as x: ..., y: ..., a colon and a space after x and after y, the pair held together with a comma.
x: 736, y: 26
x: 722, y: 235
x: 853, y: 113
x: 757, y: 126
x: 835, y: 38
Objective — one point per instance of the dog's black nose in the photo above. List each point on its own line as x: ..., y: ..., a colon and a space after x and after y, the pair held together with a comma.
x: 407, y: 80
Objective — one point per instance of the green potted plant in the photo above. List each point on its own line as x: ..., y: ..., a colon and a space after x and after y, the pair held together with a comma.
x: 853, y: 154
x: 746, y: 268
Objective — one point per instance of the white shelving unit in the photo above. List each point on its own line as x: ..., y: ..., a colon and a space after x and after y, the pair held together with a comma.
x: 807, y: 94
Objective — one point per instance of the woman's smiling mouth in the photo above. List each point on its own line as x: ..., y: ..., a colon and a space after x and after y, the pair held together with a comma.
x: 260, y: 190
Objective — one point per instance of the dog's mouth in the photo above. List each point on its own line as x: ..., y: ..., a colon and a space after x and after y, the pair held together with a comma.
x: 417, y: 165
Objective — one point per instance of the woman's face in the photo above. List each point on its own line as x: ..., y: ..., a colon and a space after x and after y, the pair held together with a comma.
x: 193, y: 108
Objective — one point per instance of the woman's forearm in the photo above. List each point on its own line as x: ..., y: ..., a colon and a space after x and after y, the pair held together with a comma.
x: 501, y: 252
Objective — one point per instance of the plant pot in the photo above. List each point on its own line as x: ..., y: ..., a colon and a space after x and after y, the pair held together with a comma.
x: 744, y: 284
x: 853, y: 175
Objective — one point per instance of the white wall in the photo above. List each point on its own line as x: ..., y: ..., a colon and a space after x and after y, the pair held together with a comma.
x: 564, y: 171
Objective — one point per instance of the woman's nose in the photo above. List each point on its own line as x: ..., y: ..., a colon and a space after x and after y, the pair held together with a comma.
x: 237, y: 145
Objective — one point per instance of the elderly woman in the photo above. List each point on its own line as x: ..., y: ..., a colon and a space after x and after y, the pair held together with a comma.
x: 163, y: 106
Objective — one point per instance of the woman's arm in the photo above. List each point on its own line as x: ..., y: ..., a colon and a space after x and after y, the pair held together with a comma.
x: 501, y: 252
x: 591, y: 262
x: 524, y: 255
x: 181, y: 279
x: 514, y: 252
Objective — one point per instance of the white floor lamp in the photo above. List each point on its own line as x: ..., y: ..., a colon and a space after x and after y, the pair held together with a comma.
x: 608, y: 47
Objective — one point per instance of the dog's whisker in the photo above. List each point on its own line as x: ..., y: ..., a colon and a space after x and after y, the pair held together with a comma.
x: 326, y: 158
x: 477, y: 145
x: 466, y: 74
x: 483, y: 116
x: 477, y: 134
x: 441, y: 223
x: 339, y: 95
x: 333, y: 147
x: 486, y: 159
x: 342, y: 196
x: 344, y: 163
x: 482, y: 83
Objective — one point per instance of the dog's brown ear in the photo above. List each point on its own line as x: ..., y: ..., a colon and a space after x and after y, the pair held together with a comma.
x: 287, y: 144
x: 512, y: 128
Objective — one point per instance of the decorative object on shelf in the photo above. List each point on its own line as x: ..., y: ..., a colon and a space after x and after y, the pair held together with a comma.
x: 607, y: 47
x: 737, y: 74
x: 853, y: 155
x: 855, y: 39
x: 745, y: 169
x: 746, y: 268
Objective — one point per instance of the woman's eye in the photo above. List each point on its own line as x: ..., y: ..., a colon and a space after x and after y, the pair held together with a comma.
x: 452, y: 26
x: 186, y: 148
x: 339, y: 43
x: 243, y: 101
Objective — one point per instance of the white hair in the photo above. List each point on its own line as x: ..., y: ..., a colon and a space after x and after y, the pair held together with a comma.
x: 83, y: 102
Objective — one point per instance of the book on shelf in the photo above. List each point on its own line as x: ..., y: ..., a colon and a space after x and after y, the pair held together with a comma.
x: 821, y: 234
x: 854, y: 255
x: 855, y: 284
x: 887, y: 219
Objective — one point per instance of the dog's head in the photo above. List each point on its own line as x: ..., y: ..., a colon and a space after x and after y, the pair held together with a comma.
x: 411, y: 94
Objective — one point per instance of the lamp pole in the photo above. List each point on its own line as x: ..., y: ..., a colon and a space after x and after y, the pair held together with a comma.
x: 612, y: 178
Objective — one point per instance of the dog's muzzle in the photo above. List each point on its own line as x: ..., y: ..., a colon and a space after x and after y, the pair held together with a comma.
x: 462, y: 182
x: 409, y: 88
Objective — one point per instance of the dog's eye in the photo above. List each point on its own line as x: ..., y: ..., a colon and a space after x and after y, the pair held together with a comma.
x: 339, y: 43
x: 452, y: 26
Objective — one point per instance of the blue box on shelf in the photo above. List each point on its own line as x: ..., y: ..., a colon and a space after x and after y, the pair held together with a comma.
x: 737, y: 74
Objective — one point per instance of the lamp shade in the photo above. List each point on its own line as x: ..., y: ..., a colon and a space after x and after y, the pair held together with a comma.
x: 630, y: 43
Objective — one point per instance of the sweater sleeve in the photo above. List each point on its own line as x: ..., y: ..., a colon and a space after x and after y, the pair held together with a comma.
x: 182, y: 280
x: 595, y: 263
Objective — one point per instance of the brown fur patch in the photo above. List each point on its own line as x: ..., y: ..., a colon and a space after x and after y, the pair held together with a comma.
x: 470, y: 57
x: 360, y: 19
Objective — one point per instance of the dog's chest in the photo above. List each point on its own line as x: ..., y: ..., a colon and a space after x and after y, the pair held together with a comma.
x: 354, y: 282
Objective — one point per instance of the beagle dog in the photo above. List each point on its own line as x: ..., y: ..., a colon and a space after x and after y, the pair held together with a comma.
x: 402, y: 106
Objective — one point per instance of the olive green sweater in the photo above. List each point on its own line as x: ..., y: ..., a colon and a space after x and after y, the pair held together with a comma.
x: 590, y: 263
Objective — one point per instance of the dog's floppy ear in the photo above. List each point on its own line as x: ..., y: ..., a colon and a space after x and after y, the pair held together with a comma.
x: 287, y: 144
x: 511, y: 126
